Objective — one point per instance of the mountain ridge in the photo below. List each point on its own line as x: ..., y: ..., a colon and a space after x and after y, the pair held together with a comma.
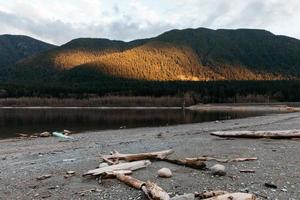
x: 178, y: 55
x: 14, y: 48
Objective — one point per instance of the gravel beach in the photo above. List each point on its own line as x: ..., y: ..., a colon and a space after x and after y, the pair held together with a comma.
x: 23, y: 160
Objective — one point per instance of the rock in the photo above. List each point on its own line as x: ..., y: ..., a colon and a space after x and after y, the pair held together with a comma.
x: 67, y: 132
x: 45, y: 134
x: 43, y: 177
x: 218, y: 170
x: 271, y: 185
x: 164, y: 173
x: 284, y: 190
x: 70, y: 172
x: 184, y: 197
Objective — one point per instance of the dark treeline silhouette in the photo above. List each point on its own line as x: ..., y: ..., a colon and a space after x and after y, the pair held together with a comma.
x: 194, y: 92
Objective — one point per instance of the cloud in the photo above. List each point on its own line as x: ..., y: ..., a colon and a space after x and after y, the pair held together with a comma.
x: 60, y: 21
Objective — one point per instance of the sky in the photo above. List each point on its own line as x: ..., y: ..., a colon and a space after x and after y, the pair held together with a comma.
x: 59, y: 21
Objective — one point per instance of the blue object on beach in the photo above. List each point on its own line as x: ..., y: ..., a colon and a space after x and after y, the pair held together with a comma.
x: 61, y: 135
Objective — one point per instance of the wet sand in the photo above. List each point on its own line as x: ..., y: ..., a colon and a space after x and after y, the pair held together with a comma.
x: 21, y: 161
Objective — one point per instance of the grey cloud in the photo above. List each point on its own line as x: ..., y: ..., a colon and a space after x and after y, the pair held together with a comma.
x: 126, y: 26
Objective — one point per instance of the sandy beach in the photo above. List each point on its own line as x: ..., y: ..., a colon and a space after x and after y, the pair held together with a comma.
x: 23, y: 160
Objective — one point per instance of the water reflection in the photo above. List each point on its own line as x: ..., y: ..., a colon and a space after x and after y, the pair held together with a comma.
x: 30, y: 121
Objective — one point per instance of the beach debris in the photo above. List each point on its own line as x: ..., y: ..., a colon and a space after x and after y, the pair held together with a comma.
x: 189, y: 196
x: 61, y: 135
x: 209, y: 194
x: 154, y: 192
x: 222, y: 160
x: 22, y: 135
x: 218, y: 170
x: 259, y: 134
x: 164, y: 173
x: 150, y: 189
x: 233, y: 196
x: 43, y: 177
x: 67, y: 132
x: 247, y: 171
x: 192, y: 163
x: 116, y: 156
x: 103, y: 164
x: 112, y: 168
x: 270, y: 185
x: 122, y: 166
x: 45, y: 134
x: 113, y: 174
x: 159, y: 155
x: 70, y: 172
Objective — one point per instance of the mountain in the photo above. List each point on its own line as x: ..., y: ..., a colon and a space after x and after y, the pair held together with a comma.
x: 178, y: 55
x: 14, y: 48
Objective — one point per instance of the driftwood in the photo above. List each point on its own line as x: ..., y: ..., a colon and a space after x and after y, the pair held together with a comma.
x: 114, y: 174
x: 259, y: 134
x: 122, y: 166
x: 154, y: 192
x: 115, y: 156
x: 193, y: 163
x: 151, y: 190
x: 132, y: 182
x: 209, y: 194
x: 223, y: 160
x: 234, y: 196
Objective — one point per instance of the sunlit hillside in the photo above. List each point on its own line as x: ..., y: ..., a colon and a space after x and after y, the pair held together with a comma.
x: 178, y: 55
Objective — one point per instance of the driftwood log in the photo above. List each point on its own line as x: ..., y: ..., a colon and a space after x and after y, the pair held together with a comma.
x: 234, y: 196
x: 223, y: 160
x: 115, y: 156
x: 151, y: 190
x: 122, y: 166
x: 259, y: 134
x: 159, y: 155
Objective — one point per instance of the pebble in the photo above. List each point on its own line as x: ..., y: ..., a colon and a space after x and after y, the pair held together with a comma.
x: 164, y: 173
x: 218, y: 170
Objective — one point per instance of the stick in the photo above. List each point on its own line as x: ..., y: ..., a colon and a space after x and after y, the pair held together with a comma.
x: 139, y: 156
x: 259, y: 134
x: 193, y: 163
x: 151, y: 190
x: 123, y: 166
x: 234, y: 196
x: 207, y: 158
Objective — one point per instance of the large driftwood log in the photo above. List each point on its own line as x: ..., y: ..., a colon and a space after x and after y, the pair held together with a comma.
x: 234, y: 196
x: 223, y: 160
x: 130, y: 181
x: 193, y: 163
x: 259, y: 134
x: 115, y: 156
x: 154, y: 192
x: 151, y: 190
x: 122, y: 166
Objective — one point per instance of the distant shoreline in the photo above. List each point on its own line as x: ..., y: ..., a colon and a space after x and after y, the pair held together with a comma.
x: 284, y: 107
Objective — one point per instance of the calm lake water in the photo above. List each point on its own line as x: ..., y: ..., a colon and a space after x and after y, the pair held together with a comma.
x: 31, y: 121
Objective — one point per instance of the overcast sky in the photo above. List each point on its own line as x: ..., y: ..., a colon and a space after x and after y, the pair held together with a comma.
x: 58, y: 21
